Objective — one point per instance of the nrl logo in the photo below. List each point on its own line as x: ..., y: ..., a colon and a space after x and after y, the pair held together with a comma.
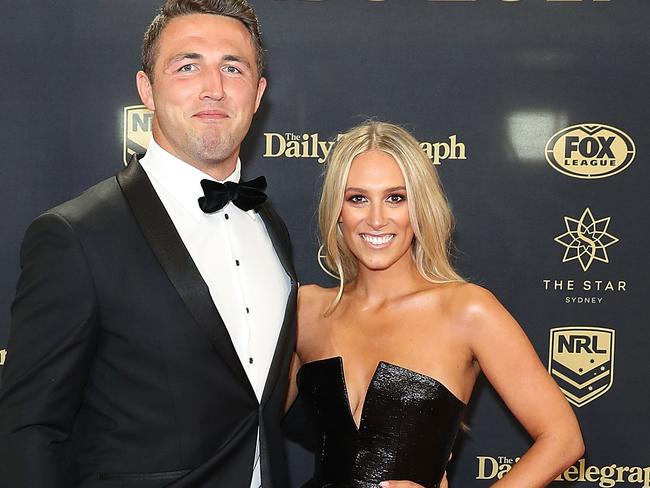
x: 581, y: 360
x: 137, y: 130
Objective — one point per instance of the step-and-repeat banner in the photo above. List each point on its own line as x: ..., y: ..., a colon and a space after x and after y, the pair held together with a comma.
x: 535, y: 113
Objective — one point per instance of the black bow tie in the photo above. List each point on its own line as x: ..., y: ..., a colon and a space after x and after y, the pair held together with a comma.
x: 246, y: 195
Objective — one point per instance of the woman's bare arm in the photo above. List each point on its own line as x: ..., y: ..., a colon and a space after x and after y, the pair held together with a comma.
x: 512, y: 366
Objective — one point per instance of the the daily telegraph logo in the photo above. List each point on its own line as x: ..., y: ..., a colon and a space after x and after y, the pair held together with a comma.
x: 313, y: 146
x: 581, y: 360
x: 138, y: 120
x: 608, y: 476
x: 586, y: 239
x: 137, y: 124
x: 590, y: 151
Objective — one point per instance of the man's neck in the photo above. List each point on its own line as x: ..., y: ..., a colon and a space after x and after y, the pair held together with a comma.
x: 219, y: 170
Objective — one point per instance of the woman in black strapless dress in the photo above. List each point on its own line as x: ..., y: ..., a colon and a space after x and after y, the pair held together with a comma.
x: 387, y: 361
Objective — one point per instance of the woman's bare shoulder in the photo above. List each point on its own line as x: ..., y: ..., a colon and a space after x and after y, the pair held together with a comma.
x: 312, y: 292
x: 481, y: 316
x: 313, y: 300
x: 471, y: 295
x: 468, y: 302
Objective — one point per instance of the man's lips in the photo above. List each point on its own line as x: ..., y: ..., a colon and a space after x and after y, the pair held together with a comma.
x: 211, y: 115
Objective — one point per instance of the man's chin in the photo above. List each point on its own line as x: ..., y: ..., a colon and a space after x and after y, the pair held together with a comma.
x: 216, y: 151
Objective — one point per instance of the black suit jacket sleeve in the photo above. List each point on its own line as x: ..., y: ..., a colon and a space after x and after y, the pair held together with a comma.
x: 52, y: 341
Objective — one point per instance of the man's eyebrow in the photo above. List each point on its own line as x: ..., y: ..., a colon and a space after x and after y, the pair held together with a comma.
x: 191, y: 55
x: 236, y: 59
x: 182, y: 56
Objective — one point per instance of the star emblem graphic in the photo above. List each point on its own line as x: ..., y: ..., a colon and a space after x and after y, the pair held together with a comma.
x: 586, y: 239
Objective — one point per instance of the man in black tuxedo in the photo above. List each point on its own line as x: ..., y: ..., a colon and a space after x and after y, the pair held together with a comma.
x: 153, y: 324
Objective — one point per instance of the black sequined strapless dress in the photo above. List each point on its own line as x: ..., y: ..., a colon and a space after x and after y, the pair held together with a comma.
x: 408, y: 426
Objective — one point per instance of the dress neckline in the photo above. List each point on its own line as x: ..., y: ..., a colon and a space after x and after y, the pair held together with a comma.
x: 378, y: 368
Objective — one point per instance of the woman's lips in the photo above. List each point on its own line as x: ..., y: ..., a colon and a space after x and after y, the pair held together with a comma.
x: 377, y: 241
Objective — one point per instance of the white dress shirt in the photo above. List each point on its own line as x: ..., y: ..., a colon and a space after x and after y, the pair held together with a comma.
x: 234, y: 254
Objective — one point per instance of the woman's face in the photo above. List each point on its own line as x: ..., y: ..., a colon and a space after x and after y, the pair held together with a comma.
x: 374, y: 218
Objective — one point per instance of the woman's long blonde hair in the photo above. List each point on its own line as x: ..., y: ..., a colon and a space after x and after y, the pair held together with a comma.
x: 428, y: 208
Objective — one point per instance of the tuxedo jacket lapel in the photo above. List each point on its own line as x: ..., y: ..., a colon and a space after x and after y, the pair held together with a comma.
x: 167, y: 245
x: 280, y: 239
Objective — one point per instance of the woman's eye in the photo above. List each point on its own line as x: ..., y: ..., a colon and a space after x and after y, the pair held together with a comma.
x: 396, y: 198
x: 357, y: 199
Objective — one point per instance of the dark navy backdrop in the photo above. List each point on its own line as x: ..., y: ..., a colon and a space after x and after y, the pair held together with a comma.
x: 486, y: 83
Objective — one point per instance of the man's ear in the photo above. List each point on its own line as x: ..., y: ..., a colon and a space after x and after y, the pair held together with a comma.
x: 144, y: 89
x: 261, y: 87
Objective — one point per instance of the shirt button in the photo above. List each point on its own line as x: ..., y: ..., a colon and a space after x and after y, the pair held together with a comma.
x: 226, y: 216
x: 237, y: 262
x: 250, y: 360
x: 248, y: 310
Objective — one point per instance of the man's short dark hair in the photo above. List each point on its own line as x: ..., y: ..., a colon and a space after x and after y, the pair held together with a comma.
x: 236, y: 9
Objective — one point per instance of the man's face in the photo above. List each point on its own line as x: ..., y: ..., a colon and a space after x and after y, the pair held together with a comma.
x: 205, y: 89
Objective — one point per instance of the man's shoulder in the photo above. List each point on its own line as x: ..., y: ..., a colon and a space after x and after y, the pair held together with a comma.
x: 100, y: 196
x: 97, y: 216
x: 101, y: 201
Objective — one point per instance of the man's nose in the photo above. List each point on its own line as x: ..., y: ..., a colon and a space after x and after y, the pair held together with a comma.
x: 213, y: 86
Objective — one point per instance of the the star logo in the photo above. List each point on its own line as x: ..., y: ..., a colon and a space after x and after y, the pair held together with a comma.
x: 586, y: 239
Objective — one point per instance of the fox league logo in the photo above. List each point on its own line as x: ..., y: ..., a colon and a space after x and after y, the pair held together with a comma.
x: 581, y: 360
x: 137, y: 124
x: 590, y: 151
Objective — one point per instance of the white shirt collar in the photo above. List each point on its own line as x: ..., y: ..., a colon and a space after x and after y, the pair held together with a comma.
x: 181, y: 180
